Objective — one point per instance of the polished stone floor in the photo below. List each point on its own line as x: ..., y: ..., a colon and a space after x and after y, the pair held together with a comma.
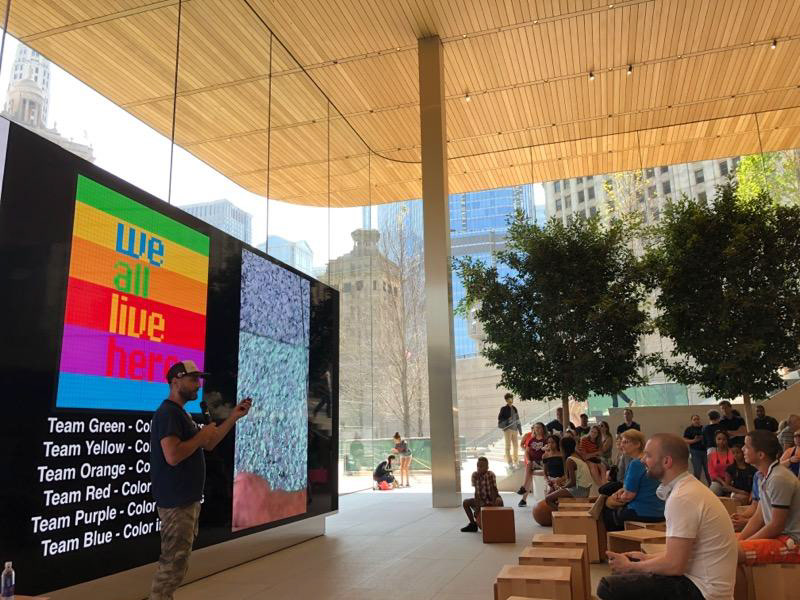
x: 381, y: 544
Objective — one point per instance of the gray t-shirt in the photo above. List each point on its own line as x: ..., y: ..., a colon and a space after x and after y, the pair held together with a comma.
x: 781, y: 489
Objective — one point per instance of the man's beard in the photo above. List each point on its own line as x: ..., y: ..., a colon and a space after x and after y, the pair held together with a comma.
x: 656, y: 473
x: 188, y: 395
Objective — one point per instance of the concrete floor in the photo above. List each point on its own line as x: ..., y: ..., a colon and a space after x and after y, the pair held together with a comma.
x: 380, y: 543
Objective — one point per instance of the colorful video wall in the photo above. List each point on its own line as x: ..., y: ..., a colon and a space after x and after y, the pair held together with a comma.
x: 136, y: 302
x: 104, y: 287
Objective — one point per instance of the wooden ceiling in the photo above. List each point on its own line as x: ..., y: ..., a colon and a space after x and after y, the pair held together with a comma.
x: 705, y: 82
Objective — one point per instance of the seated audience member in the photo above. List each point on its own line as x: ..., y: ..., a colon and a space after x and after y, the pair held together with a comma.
x: 533, y: 447
x: 700, y: 558
x: 710, y: 431
x: 583, y: 428
x: 693, y: 436
x: 719, y: 459
x: 740, y: 519
x: 616, y: 474
x: 607, y: 444
x: 577, y: 479
x: 739, y: 477
x: 628, y: 423
x: 486, y: 494
x: 556, y: 426
x: 589, y: 449
x: 553, y: 463
x: 383, y: 472
x: 772, y: 535
x: 791, y: 457
x: 637, y: 499
x: 786, y: 431
x: 764, y: 421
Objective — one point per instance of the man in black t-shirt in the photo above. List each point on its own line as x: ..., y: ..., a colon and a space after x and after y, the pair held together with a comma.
x: 765, y: 422
x: 733, y: 424
x: 178, y: 470
x: 556, y: 426
x: 583, y: 429
x: 628, y: 423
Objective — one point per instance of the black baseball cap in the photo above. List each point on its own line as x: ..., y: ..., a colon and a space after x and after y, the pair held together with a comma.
x: 184, y: 367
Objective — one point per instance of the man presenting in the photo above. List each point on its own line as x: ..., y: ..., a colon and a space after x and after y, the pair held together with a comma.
x: 178, y: 471
x: 628, y: 423
x: 700, y: 559
x: 508, y: 421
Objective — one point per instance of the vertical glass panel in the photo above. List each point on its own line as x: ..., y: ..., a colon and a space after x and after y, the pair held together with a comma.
x: 221, y: 118
x: 356, y: 269
x: 400, y: 350
x: 82, y: 88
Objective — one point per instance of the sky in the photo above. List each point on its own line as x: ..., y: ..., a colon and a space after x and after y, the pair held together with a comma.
x: 129, y: 149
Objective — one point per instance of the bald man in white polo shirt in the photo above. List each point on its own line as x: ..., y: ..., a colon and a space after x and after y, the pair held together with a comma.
x: 700, y: 560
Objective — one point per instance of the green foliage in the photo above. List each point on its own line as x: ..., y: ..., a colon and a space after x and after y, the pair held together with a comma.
x: 729, y: 292
x: 567, y: 320
x: 773, y: 175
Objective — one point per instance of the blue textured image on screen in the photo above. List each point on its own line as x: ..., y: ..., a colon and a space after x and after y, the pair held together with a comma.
x: 270, y: 465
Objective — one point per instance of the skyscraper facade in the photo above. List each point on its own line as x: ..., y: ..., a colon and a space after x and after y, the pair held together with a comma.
x: 296, y: 254
x: 224, y: 215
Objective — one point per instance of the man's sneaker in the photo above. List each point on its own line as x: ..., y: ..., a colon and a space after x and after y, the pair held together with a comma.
x: 471, y: 528
x: 522, y: 503
x: 521, y: 490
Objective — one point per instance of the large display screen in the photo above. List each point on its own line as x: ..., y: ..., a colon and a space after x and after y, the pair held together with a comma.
x: 136, y: 302
x: 104, y: 288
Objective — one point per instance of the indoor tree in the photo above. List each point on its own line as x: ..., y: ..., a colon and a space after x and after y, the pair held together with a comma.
x: 729, y: 292
x: 567, y: 319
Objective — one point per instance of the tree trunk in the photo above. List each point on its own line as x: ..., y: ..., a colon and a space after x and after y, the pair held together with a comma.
x: 748, y: 412
x: 565, y: 411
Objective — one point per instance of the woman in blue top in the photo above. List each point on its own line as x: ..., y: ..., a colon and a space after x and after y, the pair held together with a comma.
x: 637, y: 500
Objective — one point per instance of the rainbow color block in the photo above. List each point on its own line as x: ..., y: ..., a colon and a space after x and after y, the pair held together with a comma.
x: 136, y: 302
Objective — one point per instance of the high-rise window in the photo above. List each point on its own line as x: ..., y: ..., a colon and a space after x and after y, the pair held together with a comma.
x: 666, y: 188
x: 557, y: 186
x: 699, y: 176
x: 723, y: 167
x: 590, y: 191
x: 663, y: 170
x: 558, y: 203
x: 580, y: 197
x: 650, y: 173
x: 702, y: 197
x: 567, y: 203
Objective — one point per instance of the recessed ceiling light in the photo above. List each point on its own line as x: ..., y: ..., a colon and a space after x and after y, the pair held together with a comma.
x: 630, y: 69
x: 463, y: 35
x: 591, y: 76
x: 467, y: 97
x: 774, y: 44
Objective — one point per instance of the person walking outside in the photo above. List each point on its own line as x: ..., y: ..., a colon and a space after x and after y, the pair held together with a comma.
x: 403, y: 451
x: 178, y: 472
x: 508, y: 421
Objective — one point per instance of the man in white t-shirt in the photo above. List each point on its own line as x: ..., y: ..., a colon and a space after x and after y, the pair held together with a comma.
x: 700, y: 560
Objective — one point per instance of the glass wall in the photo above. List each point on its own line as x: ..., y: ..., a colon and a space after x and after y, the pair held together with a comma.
x: 301, y: 184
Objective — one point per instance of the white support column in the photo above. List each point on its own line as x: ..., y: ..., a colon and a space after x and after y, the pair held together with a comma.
x: 445, y: 466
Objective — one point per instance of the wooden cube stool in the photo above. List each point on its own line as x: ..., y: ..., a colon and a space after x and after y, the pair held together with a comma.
x: 628, y: 541
x: 660, y: 526
x: 555, y: 540
x: 582, y: 523
x: 649, y: 548
x: 497, y: 523
x: 534, y: 582
x: 575, y: 506
x: 562, y: 557
x: 767, y: 582
x: 730, y: 505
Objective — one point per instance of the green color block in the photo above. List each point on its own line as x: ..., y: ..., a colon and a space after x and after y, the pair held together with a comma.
x: 102, y: 198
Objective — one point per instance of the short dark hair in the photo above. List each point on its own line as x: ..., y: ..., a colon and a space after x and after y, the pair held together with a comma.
x: 508, y: 395
x: 765, y: 441
x: 390, y: 458
x: 724, y: 403
x: 584, y: 416
x: 483, y: 459
x: 556, y: 438
x: 568, y: 446
x: 713, y: 414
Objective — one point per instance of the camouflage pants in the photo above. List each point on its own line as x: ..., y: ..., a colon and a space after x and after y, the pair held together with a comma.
x: 178, y: 532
